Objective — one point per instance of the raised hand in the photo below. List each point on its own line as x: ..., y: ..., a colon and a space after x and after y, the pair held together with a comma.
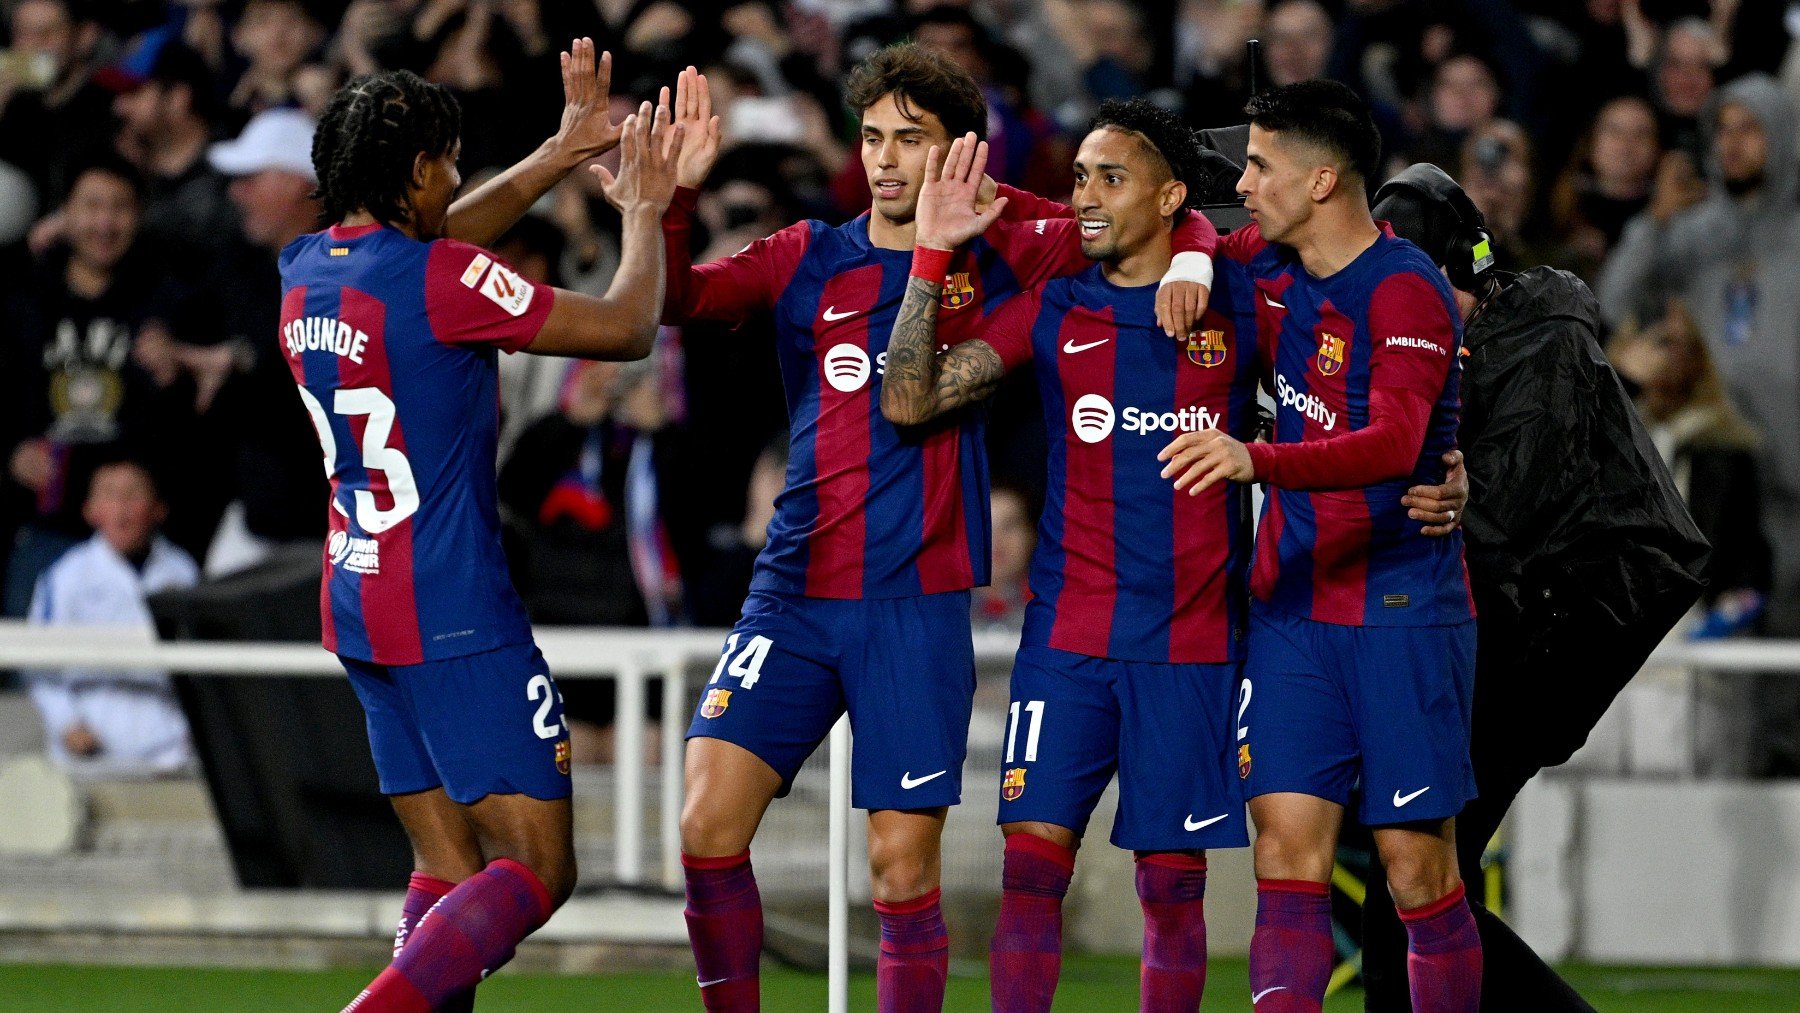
x: 693, y: 112
x: 650, y: 148
x: 947, y: 216
x: 587, y: 128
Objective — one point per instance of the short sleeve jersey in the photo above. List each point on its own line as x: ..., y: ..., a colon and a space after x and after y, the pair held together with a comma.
x: 869, y: 509
x: 394, y: 343
x: 1126, y: 566
x: 1387, y: 320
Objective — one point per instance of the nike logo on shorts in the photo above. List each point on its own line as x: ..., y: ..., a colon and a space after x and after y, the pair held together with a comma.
x: 909, y: 782
x: 1203, y: 824
x: 1400, y: 800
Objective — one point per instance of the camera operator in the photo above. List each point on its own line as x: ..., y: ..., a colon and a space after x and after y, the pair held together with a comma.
x: 1581, y: 554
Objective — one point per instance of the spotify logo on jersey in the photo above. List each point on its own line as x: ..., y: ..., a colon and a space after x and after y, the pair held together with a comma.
x: 846, y: 367
x: 1092, y: 418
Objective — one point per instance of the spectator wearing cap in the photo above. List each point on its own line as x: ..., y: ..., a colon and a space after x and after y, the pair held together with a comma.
x: 272, y: 447
x: 51, y: 112
x: 1581, y: 554
x: 166, y: 119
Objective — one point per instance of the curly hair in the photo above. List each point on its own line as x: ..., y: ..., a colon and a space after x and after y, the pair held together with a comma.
x: 1327, y: 114
x: 921, y: 81
x: 372, y: 130
x: 1167, y: 136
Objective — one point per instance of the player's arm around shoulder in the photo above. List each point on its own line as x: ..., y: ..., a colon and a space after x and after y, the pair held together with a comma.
x: 918, y: 384
x: 622, y: 324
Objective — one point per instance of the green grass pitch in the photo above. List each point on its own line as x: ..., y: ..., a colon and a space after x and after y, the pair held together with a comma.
x: 1088, y: 984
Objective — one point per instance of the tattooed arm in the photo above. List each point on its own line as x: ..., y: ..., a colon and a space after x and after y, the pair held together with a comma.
x: 919, y: 385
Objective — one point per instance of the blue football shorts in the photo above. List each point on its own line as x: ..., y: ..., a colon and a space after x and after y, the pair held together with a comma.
x: 1326, y: 707
x: 904, y: 669
x: 483, y: 724
x: 1165, y: 728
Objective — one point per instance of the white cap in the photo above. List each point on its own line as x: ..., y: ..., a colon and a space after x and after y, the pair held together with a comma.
x: 273, y: 139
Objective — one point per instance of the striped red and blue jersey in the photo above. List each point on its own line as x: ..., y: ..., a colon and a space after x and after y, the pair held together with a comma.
x: 871, y: 510
x: 1126, y: 566
x: 394, y: 343
x: 1384, y: 327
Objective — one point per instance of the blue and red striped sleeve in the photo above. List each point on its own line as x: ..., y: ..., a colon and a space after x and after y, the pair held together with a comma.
x: 1413, y: 346
x: 474, y: 298
x: 730, y: 290
x: 1008, y: 330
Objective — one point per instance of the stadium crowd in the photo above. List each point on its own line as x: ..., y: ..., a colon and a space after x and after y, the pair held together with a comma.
x: 155, y: 158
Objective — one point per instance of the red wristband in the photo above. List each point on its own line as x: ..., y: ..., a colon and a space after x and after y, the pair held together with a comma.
x: 931, y: 264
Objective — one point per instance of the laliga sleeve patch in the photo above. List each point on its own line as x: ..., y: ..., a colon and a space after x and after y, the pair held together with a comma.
x: 507, y: 290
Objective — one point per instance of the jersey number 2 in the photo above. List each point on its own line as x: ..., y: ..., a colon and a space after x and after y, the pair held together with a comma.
x: 376, y: 454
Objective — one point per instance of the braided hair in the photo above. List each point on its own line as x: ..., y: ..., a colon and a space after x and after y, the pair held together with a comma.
x: 372, y: 130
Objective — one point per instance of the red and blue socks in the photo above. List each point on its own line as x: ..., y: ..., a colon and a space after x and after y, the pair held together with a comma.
x: 1292, y: 952
x: 915, y: 956
x: 422, y: 894
x: 725, y: 928
x: 1443, y: 955
x: 1025, y: 955
x: 470, y: 933
x: 1171, y: 889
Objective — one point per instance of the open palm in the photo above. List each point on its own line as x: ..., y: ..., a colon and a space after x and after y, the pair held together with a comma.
x: 947, y: 216
x: 587, y: 127
x: 693, y: 112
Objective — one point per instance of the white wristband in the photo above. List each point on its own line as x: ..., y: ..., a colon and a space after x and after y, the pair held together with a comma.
x: 1190, y: 265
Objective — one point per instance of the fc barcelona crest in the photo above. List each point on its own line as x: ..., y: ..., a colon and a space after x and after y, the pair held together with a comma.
x: 959, y: 291
x: 715, y: 703
x: 562, y: 756
x: 1013, y: 785
x: 1331, y: 353
x: 1244, y: 760
x: 1206, y: 348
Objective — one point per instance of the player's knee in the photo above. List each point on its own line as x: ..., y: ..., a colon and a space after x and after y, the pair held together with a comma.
x: 901, y: 869
x: 1284, y: 855
x: 711, y: 829
x: 555, y: 868
x: 1418, y: 876
x: 1057, y: 835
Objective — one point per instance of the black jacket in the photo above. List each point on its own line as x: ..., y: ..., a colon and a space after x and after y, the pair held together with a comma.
x: 1575, y: 531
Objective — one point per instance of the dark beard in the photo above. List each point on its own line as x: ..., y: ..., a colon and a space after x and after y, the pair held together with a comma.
x: 1745, y: 185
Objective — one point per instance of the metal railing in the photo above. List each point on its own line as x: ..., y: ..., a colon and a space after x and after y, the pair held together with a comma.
x: 632, y: 657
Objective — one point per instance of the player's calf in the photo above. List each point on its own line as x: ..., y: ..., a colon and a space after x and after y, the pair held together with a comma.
x: 1443, y: 952
x: 1025, y: 955
x: 1171, y: 889
x: 904, y: 867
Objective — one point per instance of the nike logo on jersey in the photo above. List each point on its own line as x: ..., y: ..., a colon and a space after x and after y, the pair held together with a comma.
x: 1272, y: 303
x: 1254, y: 999
x: 1400, y: 800
x: 909, y: 782
x: 1203, y: 824
x: 709, y: 984
x: 1071, y: 347
x: 831, y: 313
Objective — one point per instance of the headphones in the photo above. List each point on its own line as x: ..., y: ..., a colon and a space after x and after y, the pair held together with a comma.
x: 1469, y: 248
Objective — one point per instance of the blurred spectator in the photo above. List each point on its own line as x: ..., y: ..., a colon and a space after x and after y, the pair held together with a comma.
x: 1711, y: 452
x: 1606, y: 183
x: 1682, y: 79
x: 1297, y: 38
x: 51, y: 113
x: 1461, y: 100
x: 97, y: 721
x: 76, y: 392
x: 1023, y: 147
x: 166, y: 122
x: 531, y: 386
x: 1495, y: 167
x: 272, y: 38
x: 275, y: 475
x: 1001, y: 605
